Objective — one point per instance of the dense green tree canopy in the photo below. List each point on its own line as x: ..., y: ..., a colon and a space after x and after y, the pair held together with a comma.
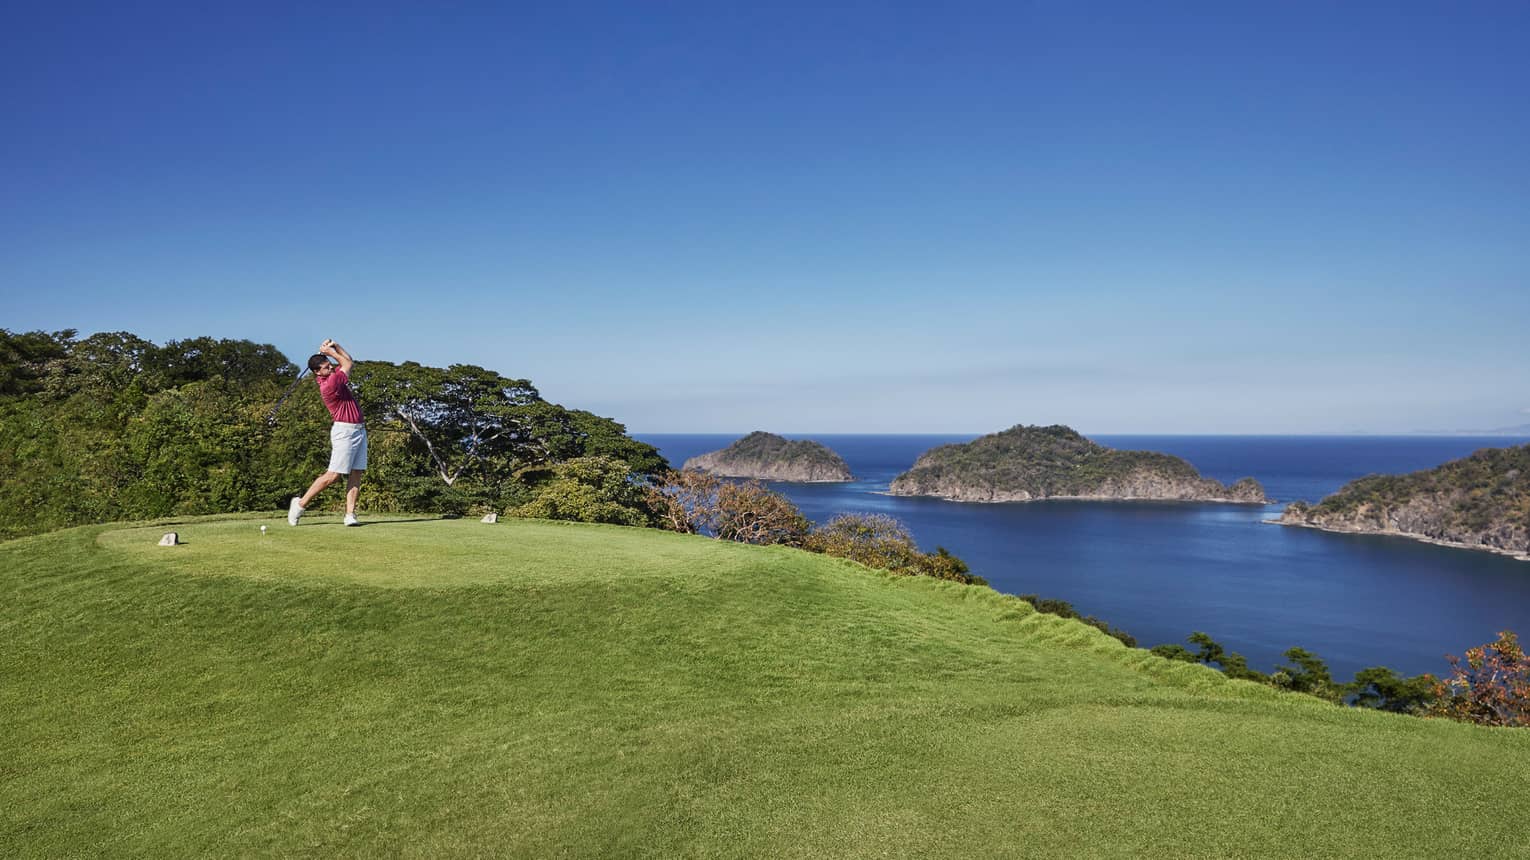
x: 112, y: 427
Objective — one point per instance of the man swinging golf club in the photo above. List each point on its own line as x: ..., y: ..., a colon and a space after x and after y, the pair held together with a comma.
x: 347, y: 437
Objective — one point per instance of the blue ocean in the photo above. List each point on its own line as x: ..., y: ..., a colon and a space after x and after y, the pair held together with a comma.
x: 1160, y: 570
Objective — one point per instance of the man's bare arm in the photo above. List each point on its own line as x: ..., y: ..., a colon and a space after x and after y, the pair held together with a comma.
x: 339, y: 354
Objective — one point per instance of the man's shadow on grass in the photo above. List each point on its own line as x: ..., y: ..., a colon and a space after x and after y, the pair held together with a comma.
x: 384, y: 522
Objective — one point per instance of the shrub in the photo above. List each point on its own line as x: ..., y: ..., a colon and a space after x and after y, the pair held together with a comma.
x: 1491, y: 686
x: 875, y: 540
x: 880, y: 541
x: 685, y: 501
x: 1384, y: 690
x: 591, y: 490
x: 695, y: 502
x: 751, y: 513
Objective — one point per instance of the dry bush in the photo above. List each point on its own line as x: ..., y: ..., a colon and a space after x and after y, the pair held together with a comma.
x: 696, y: 502
x: 880, y: 541
x: 751, y: 513
x: 1491, y: 686
x: 685, y: 501
x: 875, y: 540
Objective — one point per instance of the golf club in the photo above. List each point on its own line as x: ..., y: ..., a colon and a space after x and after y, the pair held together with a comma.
x: 271, y: 419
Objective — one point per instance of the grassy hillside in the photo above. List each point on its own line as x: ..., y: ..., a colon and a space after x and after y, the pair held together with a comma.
x: 429, y: 688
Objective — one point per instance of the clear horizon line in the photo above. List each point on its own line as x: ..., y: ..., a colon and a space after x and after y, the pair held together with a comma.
x: 1367, y: 434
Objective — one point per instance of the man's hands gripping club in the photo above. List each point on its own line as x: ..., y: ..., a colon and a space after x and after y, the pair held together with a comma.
x: 338, y: 353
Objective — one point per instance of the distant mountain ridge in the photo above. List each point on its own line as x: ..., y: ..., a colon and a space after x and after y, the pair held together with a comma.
x: 769, y: 457
x: 1029, y: 463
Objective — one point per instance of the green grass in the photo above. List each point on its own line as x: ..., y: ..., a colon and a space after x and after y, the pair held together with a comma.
x: 438, y: 688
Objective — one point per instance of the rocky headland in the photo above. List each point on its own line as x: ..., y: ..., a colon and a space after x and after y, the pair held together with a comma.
x: 769, y: 457
x: 1478, y: 502
x: 1029, y: 463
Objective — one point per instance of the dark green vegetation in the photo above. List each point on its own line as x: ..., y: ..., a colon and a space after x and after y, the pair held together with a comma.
x: 1028, y: 462
x: 1482, y: 501
x: 447, y: 688
x: 1458, y: 697
x: 1064, y: 609
x: 1376, y: 687
x: 771, y: 457
x: 113, y: 427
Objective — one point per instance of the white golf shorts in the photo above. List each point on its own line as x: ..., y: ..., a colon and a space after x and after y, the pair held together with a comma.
x: 347, y: 447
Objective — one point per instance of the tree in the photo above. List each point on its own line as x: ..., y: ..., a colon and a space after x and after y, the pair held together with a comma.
x: 465, y: 419
x: 238, y: 364
x: 590, y: 490
x: 585, y: 434
x: 488, y: 439
x: 1170, y: 651
x: 1232, y: 664
x: 24, y: 359
x: 1384, y: 690
x: 1308, y: 675
x: 104, y: 366
x: 113, y: 427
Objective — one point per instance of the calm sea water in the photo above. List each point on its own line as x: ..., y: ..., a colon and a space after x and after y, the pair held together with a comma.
x: 1161, y: 570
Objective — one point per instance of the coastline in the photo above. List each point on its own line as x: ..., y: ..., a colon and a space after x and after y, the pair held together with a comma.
x: 786, y: 480
x: 1518, y: 556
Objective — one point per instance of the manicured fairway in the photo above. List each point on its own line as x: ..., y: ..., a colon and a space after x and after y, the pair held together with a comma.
x: 447, y: 688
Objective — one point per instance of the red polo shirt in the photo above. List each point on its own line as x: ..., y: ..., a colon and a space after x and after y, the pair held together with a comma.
x: 338, y: 398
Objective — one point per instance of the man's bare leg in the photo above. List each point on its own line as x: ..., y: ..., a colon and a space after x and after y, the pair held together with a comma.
x: 319, y: 484
x: 352, y: 490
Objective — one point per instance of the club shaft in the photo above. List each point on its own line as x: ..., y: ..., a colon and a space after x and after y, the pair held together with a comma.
x: 288, y: 393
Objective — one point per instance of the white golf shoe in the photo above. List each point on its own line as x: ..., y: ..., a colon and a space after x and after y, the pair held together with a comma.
x: 294, y: 511
x: 350, y: 520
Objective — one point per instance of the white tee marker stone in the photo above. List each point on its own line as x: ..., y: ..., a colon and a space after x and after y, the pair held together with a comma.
x: 170, y: 539
x: 490, y: 518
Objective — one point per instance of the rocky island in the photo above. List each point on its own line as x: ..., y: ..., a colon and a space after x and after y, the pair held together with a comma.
x: 769, y: 457
x: 1028, y: 463
x: 1478, y: 502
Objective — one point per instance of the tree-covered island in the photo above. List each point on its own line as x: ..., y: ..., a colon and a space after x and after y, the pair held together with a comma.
x: 1030, y: 463
x: 768, y: 457
x: 1478, y: 502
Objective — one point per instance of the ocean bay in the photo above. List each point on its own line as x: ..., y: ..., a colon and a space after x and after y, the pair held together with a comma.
x: 1161, y: 570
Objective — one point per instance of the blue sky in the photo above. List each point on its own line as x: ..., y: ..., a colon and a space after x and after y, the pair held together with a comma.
x: 843, y: 217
